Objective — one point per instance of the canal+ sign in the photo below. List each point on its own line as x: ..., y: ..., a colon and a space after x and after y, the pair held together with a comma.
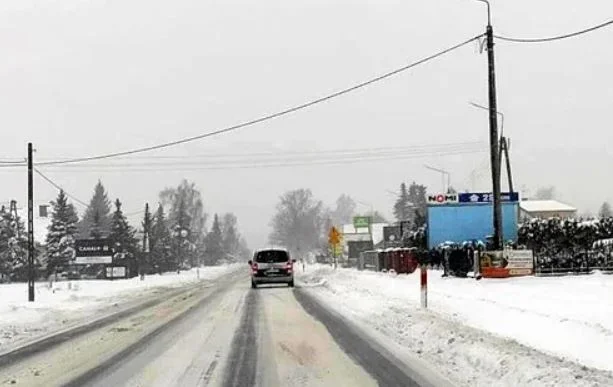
x: 441, y: 199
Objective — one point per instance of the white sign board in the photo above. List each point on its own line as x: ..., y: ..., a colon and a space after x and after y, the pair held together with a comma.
x: 519, y: 262
x: 116, y: 272
x: 106, y: 259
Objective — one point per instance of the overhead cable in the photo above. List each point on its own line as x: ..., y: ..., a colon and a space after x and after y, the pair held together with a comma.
x: 48, y: 180
x: 266, y: 117
x: 246, y: 165
x: 553, y: 38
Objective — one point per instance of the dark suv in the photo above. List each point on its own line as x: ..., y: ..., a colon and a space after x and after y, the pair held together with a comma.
x: 272, y: 266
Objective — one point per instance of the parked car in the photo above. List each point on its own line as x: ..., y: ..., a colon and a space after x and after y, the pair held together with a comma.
x: 271, y: 266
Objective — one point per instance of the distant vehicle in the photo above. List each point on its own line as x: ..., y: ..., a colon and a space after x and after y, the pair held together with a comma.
x: 272, y: 266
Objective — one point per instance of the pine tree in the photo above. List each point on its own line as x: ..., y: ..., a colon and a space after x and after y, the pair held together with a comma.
x: 147, y: 245
x: 231, y: 239
x: 214, y: 242
x: 122, y: 234
x: 417, y: 196
x: 605, y: 211
x: 96, y: 219
x: 13, y: 246
x: 95, y: 227
x: 61, y: 234
x: 160, y: 242
x: 403, y: 205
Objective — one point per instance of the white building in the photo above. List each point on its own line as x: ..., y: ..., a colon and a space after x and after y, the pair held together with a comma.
x: 529, y: 209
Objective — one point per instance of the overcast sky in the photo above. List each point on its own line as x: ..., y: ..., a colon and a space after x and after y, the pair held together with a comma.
x: 84, y: 77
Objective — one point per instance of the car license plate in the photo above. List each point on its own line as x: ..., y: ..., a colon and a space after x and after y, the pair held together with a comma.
x: 273, y: 270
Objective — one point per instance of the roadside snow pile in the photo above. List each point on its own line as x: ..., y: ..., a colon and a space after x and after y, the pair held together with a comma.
x: 68, y: 302
x: 523, y: 331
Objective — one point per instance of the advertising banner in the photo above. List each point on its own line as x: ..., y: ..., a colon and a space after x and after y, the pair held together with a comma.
x: 486, y: 197
x: 519, y: 262
x: 93, y: 251
x: 507, y: 263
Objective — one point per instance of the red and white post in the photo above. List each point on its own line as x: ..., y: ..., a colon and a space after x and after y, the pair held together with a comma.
x: 424, y: 286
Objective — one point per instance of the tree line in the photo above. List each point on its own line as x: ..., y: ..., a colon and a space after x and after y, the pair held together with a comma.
x: 301, y: 222
x: 177, y: 235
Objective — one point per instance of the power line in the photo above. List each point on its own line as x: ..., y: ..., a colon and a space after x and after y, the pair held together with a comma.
x: 60, y: 188
x: 267, y: 117
x: 266, y: 156
x: 278, y: 153
x: 285, y: 158
x: 75, y: 198
x: 244, y: 165
x: 553, y: 38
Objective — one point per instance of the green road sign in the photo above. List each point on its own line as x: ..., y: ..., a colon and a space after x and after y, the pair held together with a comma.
x: 361, y: 221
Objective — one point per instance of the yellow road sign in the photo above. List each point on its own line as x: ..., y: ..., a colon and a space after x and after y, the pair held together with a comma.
x: 334, y: 237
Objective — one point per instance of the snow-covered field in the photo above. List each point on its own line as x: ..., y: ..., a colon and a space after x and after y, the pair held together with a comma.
x: 524, y: 331
x: 69, y: 302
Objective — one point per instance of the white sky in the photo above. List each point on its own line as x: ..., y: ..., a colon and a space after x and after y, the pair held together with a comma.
x: 84, y: 77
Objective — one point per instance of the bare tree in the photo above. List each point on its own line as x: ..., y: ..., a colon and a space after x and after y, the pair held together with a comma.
x: 546, y: 193
x: 344, y: 211
x: 298, y: 223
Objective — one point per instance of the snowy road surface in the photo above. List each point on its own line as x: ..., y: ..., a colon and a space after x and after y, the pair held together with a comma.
x: 69, y: 303
x: 503, y: 332
x: 224, y: 334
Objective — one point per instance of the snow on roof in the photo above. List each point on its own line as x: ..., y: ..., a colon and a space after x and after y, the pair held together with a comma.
x: 376, y: 230
x: 544, y: 206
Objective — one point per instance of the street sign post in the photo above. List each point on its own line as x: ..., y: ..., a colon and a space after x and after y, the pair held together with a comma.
x: 334, y: 237
x: 334, y: 240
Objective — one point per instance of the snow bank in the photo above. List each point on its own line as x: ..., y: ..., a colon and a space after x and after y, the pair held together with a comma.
x: 69, y: 301
x: 523, y: 331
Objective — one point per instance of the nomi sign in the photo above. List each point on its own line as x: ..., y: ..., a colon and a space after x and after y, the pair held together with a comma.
x: 93, y: 251
x: 442, y: 198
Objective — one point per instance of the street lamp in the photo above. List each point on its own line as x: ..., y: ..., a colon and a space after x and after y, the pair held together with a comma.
x: 503, y: 145
x: 489, y: 13
x: 497, y: 112
x: 443, y: 174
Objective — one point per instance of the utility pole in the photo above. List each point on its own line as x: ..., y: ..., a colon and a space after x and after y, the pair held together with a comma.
x: 145, y: 256
x: 494, y: 141
x: 30, y: 225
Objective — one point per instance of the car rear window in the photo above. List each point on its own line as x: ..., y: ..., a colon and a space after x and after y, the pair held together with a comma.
x: 272, y: 256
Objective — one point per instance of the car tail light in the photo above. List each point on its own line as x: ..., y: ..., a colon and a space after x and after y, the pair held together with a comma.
x: 254, y: 267
x: 289, y: 266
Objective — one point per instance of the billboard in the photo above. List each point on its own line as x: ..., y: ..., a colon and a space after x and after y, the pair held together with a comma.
x: 470, y: 217
x: 507, y: 263
x: 93, y: 251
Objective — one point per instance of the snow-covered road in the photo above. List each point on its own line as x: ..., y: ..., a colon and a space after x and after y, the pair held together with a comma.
x: 221, y: 334
x: 523, y: 331
x: 74, y: 302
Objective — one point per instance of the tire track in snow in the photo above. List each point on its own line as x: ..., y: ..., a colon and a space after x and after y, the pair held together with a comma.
x: 241, y: 367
